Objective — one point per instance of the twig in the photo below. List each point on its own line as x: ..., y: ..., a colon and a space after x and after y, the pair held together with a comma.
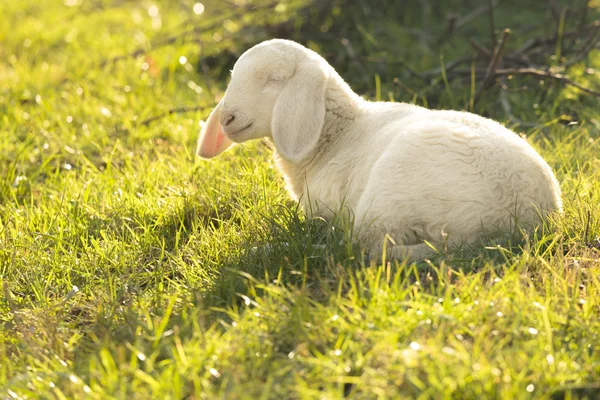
x: 172, y: 111
x: 474, y: 14
x: 403, y: 64
x: 545, y: 74
x: 401, y: 85
x: 508, y: 110
x: 161, y: 43
x: 449, y: 67
x: 492, y: 24
x: 582, y: 18
x: 174, y: 38
x: 537, y: 42
x: 506, y: 105
x: 560, y: 30
x: 143, y: 50
x: 528, y: 71
x: 587, y: 227
x: 588, y: 45
x: 490, y: 73
x: 480, y: 49
x: 504, y: 86
x: 554, y: 9
x: 534, y: 72
x: 485, y: 53
x: 590, y: 245
x: 450, y: 28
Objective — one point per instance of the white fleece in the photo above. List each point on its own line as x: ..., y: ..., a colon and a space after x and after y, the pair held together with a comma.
x: 396, y: 169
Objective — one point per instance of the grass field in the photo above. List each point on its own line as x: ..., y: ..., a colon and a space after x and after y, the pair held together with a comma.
x: 131, y: 269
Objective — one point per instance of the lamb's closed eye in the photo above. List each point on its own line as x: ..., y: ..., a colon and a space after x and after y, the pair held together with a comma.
x: 273, y: 83
x: 418, y: 176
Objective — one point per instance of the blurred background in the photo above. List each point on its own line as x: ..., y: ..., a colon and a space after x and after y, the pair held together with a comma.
x: 117, y: 243
x: 420, y: 51
x: 146, y: 72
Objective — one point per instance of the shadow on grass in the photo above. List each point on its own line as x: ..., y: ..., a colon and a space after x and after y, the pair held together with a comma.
x: 320, y: 256
x: 291, y: 251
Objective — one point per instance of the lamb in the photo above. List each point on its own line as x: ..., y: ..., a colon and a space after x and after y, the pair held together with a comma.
x: 416, y: 176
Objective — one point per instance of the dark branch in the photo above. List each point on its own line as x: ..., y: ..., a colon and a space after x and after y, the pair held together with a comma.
x: 493, y: 65
x: 545, y: 74
x: 492, y: 23
x: 179, y: 110
x: 194, y: 32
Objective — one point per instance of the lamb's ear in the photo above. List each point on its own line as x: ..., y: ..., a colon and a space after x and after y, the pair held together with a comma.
x: 299, y: 111
x: 212, y: 141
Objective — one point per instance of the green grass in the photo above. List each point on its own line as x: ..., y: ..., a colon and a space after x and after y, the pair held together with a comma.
x: 130, y: 269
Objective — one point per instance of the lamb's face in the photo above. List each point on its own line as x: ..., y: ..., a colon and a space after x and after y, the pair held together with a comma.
x: 256, y: 82
x: 277, y: 90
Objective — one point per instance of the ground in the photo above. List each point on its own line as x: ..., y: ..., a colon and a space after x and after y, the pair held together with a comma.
x: 131, y: 269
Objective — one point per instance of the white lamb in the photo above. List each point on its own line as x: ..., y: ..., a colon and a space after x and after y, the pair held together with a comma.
x: 414, y: 174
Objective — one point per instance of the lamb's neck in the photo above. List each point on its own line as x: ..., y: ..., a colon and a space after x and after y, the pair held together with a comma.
x: 342, y: 107
x: 341, y: 103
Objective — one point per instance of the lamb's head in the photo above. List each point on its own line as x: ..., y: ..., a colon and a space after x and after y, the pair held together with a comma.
x: 277, y: 90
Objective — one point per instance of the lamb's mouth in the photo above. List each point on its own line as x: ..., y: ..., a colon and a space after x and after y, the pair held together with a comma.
x: 236, y: 133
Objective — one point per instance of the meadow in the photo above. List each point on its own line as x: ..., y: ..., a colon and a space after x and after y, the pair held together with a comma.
x: 131, y: 269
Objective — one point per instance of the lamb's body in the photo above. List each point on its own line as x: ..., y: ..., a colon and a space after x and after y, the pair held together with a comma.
x: 421, y: 175
x: 400, y: 170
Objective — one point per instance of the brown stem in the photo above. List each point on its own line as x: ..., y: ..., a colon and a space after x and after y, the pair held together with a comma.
x: 492, y: 23
x: 493, y: 65
x: 179, y: 110
x: 545, y: 74
x: 180, y: 36
x: 538, y: 42
x: 474, y: 14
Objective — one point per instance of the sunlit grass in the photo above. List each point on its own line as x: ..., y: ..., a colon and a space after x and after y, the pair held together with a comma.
x: 130, y: 269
